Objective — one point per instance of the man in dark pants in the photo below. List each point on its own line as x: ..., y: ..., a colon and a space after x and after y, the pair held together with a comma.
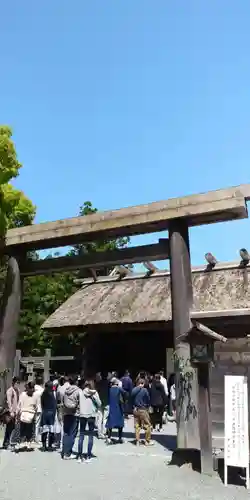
x: 127, y: 386
x: 71, y: 401
x: 12, y: 397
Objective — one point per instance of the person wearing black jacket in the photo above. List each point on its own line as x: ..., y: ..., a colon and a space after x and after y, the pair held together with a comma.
x: 158, y: 401
x: 48, y: 406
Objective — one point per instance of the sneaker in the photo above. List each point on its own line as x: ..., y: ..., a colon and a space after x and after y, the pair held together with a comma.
x: 171, y: 418
x: 101, y: 436
x: 149, y: 443
x: 80, y: 460
x: 70, y: 457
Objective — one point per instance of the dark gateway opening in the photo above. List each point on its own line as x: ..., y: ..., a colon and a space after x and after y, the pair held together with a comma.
x: 132, y: 350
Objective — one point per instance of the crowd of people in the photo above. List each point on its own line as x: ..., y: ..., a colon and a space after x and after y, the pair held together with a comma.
x: 55, y: 413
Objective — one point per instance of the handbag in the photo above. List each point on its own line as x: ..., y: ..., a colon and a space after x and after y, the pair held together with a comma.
x: 5, y: 417
x: 27, y: 417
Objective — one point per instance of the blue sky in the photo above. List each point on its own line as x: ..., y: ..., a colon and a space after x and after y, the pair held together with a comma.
x: 124, y: 102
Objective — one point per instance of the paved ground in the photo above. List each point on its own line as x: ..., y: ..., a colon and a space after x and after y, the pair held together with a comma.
x: 121, y: 472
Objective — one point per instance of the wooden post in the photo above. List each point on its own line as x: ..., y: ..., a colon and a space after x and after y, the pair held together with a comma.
x: 30, y: 371
x: 205, y: 426
x: 83, y: 361
x: 9, y: 320
x: 169, y: 361
x: 17, y: 363
x: 47, y: 365
x: 182, y: 298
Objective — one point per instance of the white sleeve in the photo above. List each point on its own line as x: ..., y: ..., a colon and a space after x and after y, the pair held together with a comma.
x: 165, y: 385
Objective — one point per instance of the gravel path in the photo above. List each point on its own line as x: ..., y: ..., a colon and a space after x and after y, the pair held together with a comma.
x: 121, y: 472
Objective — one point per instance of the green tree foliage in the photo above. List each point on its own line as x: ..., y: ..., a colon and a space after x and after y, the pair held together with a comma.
x: 42, y: 295
x: 15, y: 209
x: 9, y: 164
x: 19, y: 210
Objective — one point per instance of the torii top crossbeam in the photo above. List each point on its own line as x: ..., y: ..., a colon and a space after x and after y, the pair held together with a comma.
x: 205, y: 208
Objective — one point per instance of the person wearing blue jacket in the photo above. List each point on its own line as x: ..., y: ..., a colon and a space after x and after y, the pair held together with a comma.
x: 141, y: 403
x: 116, y: 410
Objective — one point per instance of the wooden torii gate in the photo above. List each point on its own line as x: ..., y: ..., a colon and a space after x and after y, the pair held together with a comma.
x: 175, y: 215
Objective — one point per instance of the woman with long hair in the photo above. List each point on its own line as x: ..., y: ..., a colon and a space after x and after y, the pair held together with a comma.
x: 48, y: 406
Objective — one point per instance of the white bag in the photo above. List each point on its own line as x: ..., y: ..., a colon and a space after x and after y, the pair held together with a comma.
x: 27, y: 417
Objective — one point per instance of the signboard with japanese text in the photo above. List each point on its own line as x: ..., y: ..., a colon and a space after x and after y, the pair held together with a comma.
x: 236, y: 436
x: 30, y: 367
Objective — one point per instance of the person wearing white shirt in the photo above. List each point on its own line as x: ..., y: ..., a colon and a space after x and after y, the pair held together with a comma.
x: 164, y: 382
x: 172, y: 398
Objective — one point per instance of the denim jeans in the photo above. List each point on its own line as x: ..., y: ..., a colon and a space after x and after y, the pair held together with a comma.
x: 91, y: 427
x: 10, y: 426
x: 70, y: 427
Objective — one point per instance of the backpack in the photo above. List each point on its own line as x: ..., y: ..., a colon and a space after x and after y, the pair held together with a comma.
x: 70, y: 401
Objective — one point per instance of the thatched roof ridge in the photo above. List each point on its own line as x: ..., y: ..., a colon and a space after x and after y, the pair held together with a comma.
x: 220, y: 266
x: 147, y: 299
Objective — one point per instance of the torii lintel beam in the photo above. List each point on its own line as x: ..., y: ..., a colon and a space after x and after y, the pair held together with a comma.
x: 213, y: 206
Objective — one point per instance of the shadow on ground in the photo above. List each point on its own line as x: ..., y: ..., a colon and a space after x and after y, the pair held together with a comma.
x: 168, y: 442
x: 236, y: 475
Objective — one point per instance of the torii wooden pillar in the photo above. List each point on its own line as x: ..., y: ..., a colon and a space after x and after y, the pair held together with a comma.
x: 182, y: 301
x: 9, y: 319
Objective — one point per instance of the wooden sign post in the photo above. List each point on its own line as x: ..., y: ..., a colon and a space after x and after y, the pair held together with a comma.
x: 30, y: 360
x: 236, y: 445
x: 30, y: 371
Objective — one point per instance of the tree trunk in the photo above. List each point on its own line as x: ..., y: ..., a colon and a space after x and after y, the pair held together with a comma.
x: 9, y: 319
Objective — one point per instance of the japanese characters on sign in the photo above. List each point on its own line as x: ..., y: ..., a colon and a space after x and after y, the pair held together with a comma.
x: 236, y: 446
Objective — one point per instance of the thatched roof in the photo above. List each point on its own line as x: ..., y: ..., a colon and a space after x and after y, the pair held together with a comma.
x: 146, y: 299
